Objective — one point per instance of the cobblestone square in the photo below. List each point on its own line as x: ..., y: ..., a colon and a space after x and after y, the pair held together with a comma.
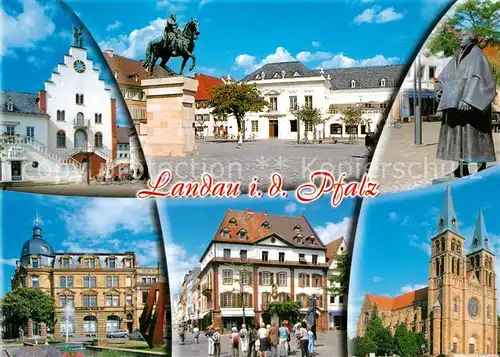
x: 261, y: 159
x: 399, y: 165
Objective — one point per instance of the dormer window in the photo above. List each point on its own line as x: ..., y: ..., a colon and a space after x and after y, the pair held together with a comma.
x: 276, y: 75
x: 257, y: 76
x: 127, y: 263
x: 34, y: 263
x: 328, y: 77
x: 353, y: 84
x: 65, y: 263
x: 89, y: 263
x: 312, y: 239
x: 297, y: 228
x: 265, y: 225
x: 382, y: 82
x: 225, y: 233
x: 242, y: 234
x: 10, y: 106
x: 115, y: 74
x: 296, y: 74
x: 263, y: 74
x: 112, y: 263
x: 233, y: 221
x: 283, y: 73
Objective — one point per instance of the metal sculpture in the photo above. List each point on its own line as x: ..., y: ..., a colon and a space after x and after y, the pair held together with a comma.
x: 153, y: 316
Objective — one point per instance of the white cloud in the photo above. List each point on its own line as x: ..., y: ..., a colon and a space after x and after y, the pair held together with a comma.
x: 115, y: 25
x: 423, y: 245
x: 247, y: 62
x: 342, y: 61
x: 316, y: 44
x: 332, y: 231
x: 306, y: 56
x: 377, y: 279
x: 291, y: 207
x: 173, y: 6
x: 179, y: 264
x: 9, y: 261
x: 376, y: 15
x: 134, y: 44
x: 203, y: 69
x: 393, y: 217
x: 409, y: 288
x: 25, y: 29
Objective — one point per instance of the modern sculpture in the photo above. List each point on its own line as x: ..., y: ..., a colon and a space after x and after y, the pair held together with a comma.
x: 153, y: 316
x: 173, y: 43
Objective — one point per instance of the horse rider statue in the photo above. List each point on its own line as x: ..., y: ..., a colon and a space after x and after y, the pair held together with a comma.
x: 172, y: 32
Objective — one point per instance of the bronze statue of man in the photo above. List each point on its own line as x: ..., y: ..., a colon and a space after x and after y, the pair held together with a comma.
x: 465, y: 90
x: 172, y: 32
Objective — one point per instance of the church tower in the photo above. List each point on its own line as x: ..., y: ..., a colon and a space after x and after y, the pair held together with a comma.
x: 481, y: 320
x: 446, y: 281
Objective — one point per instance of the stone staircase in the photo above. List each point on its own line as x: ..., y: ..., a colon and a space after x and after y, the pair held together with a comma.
x: 26, y: 141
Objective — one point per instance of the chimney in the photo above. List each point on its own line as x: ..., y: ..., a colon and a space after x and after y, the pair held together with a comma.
x: 42, y: 101
x: 109, y: 53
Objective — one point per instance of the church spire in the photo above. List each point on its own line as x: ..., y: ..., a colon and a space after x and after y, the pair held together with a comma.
x: 447, y: 218
x: 480, y: 238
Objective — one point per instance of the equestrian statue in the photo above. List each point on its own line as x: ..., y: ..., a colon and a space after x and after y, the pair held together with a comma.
x: 173, y: 43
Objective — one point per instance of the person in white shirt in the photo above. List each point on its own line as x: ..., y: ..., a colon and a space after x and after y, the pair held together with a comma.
x: 244, y: 339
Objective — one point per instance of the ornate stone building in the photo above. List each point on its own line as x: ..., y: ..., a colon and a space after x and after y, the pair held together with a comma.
x: 107, y: 291
x: 457, y: 312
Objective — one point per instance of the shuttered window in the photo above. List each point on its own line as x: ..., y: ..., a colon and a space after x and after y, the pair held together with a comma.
x: 266, y: 278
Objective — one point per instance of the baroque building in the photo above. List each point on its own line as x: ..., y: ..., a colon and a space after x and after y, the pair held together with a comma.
x: 256, y: 258
x: 457, y: 312
x: 106, y: 290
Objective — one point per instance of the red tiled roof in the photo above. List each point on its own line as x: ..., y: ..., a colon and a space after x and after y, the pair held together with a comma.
x: 205, y: 86
x: 256, y: 229
x: 400, y: 301
x: 333, y: 247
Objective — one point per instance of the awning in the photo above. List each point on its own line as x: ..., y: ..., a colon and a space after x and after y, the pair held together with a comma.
x: 425, y: 93
x: 337, y: 313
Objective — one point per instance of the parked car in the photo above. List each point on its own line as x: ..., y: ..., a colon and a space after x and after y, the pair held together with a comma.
x: 118, y: 334
x: 136, y: 336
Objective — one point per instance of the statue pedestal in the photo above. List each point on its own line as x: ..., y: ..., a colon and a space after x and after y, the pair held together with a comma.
x: 170, y: 117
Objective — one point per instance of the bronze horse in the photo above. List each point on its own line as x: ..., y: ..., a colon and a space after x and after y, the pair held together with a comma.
x: 182, y: 46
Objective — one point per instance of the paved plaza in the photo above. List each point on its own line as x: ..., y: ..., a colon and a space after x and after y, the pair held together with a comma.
x: 330, y: 344
x: 262, y: 158
x: 398, y: 165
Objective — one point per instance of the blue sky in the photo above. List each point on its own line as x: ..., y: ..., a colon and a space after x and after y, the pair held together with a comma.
x: 189, y: 225
x: 394, y: 258
x: 75, y: 224
x: 236, y: 37
x: 36, y: 35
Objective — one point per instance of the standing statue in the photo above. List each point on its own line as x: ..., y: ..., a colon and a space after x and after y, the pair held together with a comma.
x: 173, y: 43
x: 465, y: 90
x: 78, y: 36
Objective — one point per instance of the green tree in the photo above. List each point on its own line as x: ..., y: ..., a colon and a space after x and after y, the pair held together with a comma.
x: 344, y: 270
x: 351, y: 117
x: 310, y: 117
x: 236, y: 99
x: 285, y: 310
x: 362, y: 346
x: 28, y: 303
x: 483, y: 16
x: 380, y: 336
x: 243, y: 282
x: 405, y: 342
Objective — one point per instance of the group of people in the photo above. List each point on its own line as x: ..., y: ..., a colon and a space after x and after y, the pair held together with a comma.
x: 263, y: 340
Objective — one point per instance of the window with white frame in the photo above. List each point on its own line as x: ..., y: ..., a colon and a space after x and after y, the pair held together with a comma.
x: 265, y: 278
x: 255, y: 126
x: 353, y: 84
x: 308, y: 99
x: 273, y: 104
x: 282, y: 279
x: 382, y: 82
x: 227, y: 277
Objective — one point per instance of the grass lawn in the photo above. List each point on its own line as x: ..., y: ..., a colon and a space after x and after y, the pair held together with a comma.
x: 137, y: 345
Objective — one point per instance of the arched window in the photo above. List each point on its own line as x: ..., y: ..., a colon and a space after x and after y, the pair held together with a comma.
x: 366, y: 317
x: 63, y: 115
x: 455, y: 304
x: 453, y: 245
x: 477, y: 261
x: 438, y: 268
x: 62, y: 282
x: 58, y: 115
x: 458, y: 267
x: 472, y: 345
x: 443, y: 245
x: 98, y: 140
x: 61, y: 139
x: 382, y: 82
x: 90, y: 325
x: 353, y: 84
x: 437, y: 247
x: 335, y: 129
x: 80, y: 139
x: 452, y: 264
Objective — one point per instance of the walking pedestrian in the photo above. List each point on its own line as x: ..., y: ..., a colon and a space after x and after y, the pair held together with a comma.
x: 283, y: 345
x: 208, y: 334
x: 235, y: 342
x: 263, y: 340
x: 252, y: 339
x: 182, y: 334
x: 304, y: 340
x: 216, y: 339
x: 196, y: 334
x: 311, y: 341
x: 244, y: 338
x: 274, y: 339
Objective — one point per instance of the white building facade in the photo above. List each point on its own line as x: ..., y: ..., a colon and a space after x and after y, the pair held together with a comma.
x: 47, y: 136
x: 337, y: 312
x: 290, y: 85
x: 256, y: 259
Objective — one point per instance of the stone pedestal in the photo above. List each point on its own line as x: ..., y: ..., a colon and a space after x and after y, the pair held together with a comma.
x: 170, y: 117
x: 43, y: 330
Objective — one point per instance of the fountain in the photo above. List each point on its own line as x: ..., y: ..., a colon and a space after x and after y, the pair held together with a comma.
x: 67, y: 322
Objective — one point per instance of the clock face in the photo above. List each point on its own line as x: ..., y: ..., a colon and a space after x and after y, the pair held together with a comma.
x: 473, y: 307
x: 79, y: 66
